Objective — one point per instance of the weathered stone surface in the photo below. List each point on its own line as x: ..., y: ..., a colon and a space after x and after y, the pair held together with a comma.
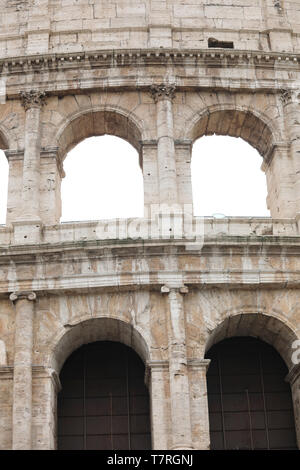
x: 167, y: 285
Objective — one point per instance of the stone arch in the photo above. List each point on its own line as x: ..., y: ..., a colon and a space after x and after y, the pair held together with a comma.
x: 273, y: 330
x: 98, y: 121
x: 96, y: 329
x: 235, y: 121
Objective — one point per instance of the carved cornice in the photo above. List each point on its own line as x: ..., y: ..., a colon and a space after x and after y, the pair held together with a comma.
x: 14, y: 296
x: 42, y: 66
x: 125, y: 57
x: 162, y: 92
x: 32, y: 99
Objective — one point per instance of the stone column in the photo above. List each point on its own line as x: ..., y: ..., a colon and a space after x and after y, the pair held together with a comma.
x: 32, y: 102
x: 163, y: 96
x: 290, y: 171
x: 294, y: 380
x: 14, y: 193
x: 22, y: 383
x: 46, y: 385
x: 150, y: 175
x: 183, y: 149
x: 156, y: 377
x: 278, y: 167
x: 178, y: 370
x: 51, y: 175
x: 27, y: 228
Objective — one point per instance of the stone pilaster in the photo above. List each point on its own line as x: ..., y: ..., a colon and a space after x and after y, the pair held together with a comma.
x: 46, y: 384
x: 294, y: 380
x: 183, y: 150
x: 178, y: 370
x: 51, y: 175
x: 291, y: 114
x: 278, y: 167
x: 163, y: 96
x: 22, y: 382
x: 157, y: 376
x: 14, y: 194
x: 199, y: 403
x: 150, y: 175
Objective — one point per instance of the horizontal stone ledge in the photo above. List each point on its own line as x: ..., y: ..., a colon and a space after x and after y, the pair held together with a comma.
x: 120, y: 55
x: 6, y: 372
x: 111, y: 249
x: 38, y: 372
x: 116, y: 283
x: 90, y: 84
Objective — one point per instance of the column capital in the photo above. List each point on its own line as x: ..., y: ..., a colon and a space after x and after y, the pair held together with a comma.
x: 32, y: 99
x: 168, y: 289
x: 14, y: 296
x: 199, y: 363
x: 289, y: 96
x: 154, y: 366
x: 162, y: 92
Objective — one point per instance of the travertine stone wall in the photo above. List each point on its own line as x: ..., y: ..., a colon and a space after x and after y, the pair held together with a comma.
x: 169, y: 287
x: 165, y: 151
x: 35, y: 26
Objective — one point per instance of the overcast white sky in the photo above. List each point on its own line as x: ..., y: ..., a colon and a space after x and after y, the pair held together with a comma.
x: 103, y: 180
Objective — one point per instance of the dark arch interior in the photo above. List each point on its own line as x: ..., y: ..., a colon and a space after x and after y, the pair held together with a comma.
x: 250, y: 404
x: 104, y: 403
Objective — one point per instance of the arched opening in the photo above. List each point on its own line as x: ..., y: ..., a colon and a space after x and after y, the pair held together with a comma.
x: 103, y: 180
x: 104, y: 403
x: 105, y: 161
x: 3, y: 186
x: 227, y: 179
x: 226, y: 173
x: 250, y: 404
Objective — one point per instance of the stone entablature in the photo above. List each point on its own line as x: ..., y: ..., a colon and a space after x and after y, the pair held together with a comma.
x: 102, y: 266
x: 212, y: 69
